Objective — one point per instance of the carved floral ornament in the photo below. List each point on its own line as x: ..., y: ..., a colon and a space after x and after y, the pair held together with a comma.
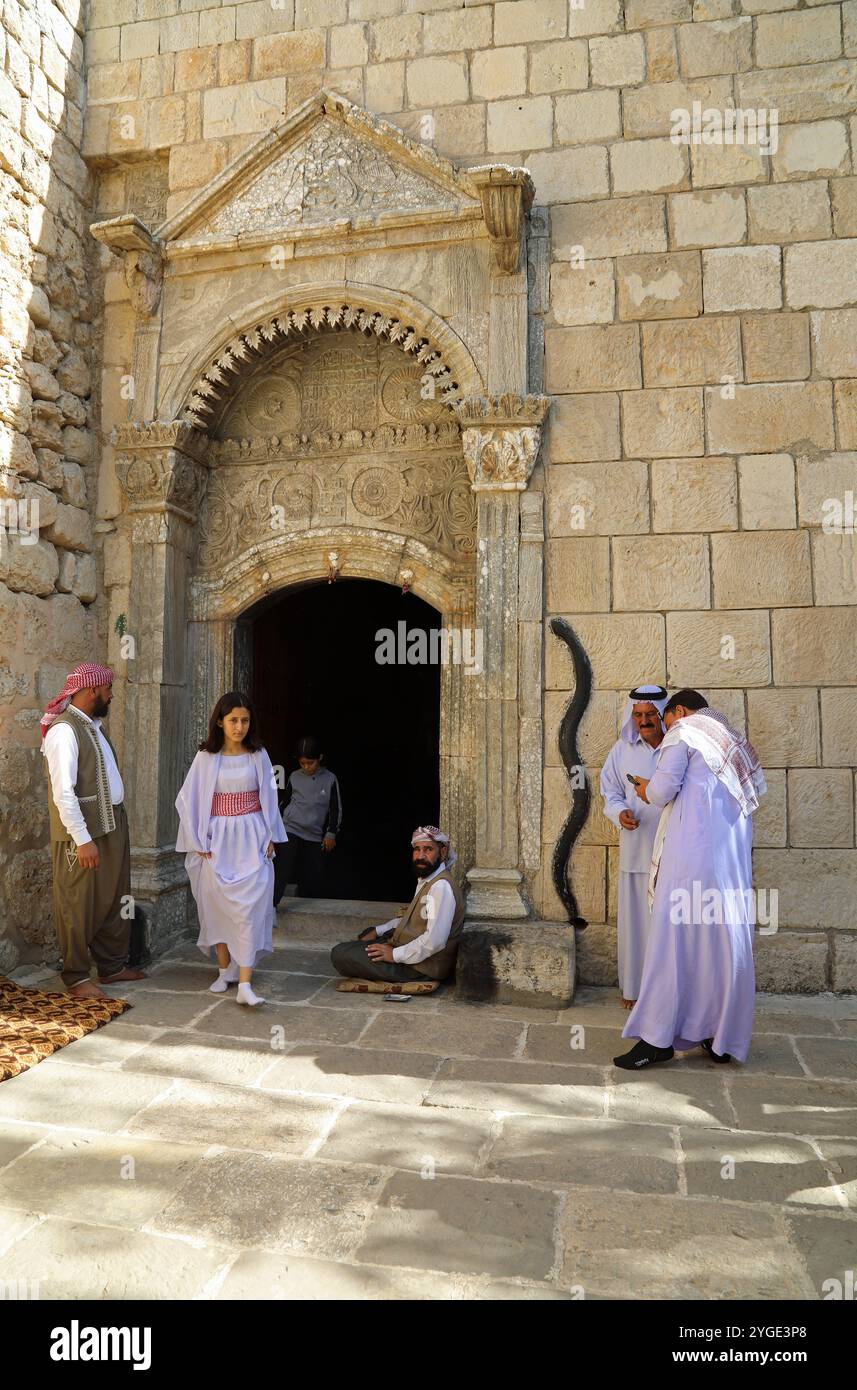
x: 161, y: 467
x: 219, y: 379
x: 501, y: 437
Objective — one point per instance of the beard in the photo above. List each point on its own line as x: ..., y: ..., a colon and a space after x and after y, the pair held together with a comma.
x: 422, y: 868
x: 101, y: 709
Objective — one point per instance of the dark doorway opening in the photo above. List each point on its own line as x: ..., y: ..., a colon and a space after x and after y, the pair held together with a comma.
x: 311, y: 658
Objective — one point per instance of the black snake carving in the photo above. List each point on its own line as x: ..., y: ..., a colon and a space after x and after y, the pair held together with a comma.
x: 581, y: 796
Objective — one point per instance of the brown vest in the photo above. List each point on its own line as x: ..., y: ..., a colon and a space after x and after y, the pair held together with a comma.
x: 413, y: 924
x: 91, y: 788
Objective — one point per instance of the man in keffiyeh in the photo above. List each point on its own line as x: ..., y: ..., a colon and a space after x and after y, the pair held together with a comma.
x: 634, y: 753
x: 423, y: 942
x: 698, y: 986
x: 90, y: 847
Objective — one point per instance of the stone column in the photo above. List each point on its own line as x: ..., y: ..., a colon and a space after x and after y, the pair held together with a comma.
x: 501, y: 437
x: 163, y: 473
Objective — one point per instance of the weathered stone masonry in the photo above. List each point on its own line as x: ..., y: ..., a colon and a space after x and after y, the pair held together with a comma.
x: 699, y: 361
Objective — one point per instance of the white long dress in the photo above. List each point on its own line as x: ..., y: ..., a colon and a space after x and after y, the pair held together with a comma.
x: 234, y: 889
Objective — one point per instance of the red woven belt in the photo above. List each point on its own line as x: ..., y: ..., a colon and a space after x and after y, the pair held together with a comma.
x: 235, y: 803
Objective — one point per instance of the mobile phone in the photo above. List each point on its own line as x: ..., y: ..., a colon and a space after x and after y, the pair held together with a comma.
x: 631, y: 778
x: 398, y: 998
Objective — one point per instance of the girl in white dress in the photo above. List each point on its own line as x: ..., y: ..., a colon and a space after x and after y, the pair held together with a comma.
x: 229, y: 821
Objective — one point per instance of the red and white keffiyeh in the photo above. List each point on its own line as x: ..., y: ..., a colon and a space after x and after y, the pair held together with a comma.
x: 87, y: 676
x: 730, y: 756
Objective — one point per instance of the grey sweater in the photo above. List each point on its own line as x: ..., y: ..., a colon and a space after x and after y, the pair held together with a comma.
x: 312, y: 806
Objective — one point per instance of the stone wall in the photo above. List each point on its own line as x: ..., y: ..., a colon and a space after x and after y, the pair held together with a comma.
x: 699, y: 349
x: 48, y: 574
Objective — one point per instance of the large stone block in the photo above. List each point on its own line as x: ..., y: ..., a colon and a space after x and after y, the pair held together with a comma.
x: 694, y: 495
x: 809, y: 36
x: 741, y: 277
x: 816, y: 887
x: 761, y: 569
x: 243, y: 109
x: 664, y: 423
x: 821, y: 811
x: 720, y: 165
x: 667, y: 286
x: 585, y: 428
x: 582, y: 294
x: 526, y: 21
x: 661, y: 55
x: 722, y: 46
x: 791, y: 963
x: 557, y: 66
x: 834, y: 341
x: 578, y: 575
x: 776, y: 347
x: 712, y: 217
x: 845, y: 963
x: 442, y: 82
x: 577, y: 173
x: 718, y: 649
x: 648, y: 166
x: 619, y: 646
x: 617, y: 62
x: 587, y: 118
x: 585, y: 499
x: 499, y: 72
x: 845, y: 409
x: 777, y: 417
x: 814, y: 646
x: 769, y: 821
x: 839, y: 728
x: 820, y: 148
x: 791, y: 212
x: 592, y: 359
x: 597, y: 958
x: 624, y: 227
x: 649, y: 110
x: 660, y: 572
x: 767, y: 491
x: 33, y: 568
x: 834, y: 567
x: 822, y: 482
x: 531, y: 964
x: 703, y: 352
x: 821, y: 274
x: 783, y: 727
x: 72, y: 528
x: 843, y: 196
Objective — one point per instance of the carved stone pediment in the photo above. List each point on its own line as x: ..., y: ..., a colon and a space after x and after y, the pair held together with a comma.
x: 327, y: 161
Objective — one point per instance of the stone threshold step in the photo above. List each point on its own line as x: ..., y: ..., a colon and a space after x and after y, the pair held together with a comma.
x: 328, y: 919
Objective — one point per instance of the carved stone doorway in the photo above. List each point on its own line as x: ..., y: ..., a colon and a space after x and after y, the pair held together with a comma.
x: 315, y: 661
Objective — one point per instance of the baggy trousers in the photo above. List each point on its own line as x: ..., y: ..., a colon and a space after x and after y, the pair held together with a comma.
x: 88, y: 904
x: 350, y: 959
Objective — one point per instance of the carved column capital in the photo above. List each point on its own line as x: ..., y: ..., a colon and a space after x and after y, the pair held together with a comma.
x: 507, y: 196
x: 501, y: 437
x: 162, y: 467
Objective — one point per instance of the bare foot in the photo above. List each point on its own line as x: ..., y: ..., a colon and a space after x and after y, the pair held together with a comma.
x: 628, y: 1003
x: 122, y: 975
x: 87, y: 989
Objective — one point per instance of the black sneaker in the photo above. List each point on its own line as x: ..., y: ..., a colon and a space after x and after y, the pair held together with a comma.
x: 708, y: 1045
x: 642, y: 1054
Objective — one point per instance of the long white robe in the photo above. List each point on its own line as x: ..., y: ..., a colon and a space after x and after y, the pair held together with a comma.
x: 698, y: 979
x: 234, y: 888
x: 635, y: 853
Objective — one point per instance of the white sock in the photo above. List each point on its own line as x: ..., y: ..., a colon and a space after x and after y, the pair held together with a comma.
x: 225, y: 978
x: 245, y: 995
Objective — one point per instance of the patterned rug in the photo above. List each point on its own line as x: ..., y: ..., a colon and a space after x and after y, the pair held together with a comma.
x: 34, y: 1023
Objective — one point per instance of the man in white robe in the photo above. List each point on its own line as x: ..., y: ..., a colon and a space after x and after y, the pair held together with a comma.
x: 698, y: 987
x: 635, y: 752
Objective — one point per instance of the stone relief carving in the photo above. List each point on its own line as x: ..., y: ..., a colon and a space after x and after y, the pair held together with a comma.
x: 147, y: 190
x: 501, y: 437
x: 332, y: 172
x: 218, y: 382
x: 331, y: 435
x: 161, y: 466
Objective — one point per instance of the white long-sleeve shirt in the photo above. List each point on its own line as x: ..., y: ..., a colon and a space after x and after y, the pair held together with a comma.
x: 60, y: 749
x: 640, y: 759
x: 440, y: 910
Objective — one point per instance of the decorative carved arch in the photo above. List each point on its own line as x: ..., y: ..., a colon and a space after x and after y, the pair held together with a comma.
x: 216, y: 371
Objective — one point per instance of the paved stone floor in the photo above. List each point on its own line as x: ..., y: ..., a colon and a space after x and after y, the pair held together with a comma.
x: 336, y: 1146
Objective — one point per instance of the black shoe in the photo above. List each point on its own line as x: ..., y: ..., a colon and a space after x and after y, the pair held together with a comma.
x: 707, y: 1044
x: 642, y: 1054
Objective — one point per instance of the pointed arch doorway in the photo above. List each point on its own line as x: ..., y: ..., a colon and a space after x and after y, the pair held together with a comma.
x: 316, y: 660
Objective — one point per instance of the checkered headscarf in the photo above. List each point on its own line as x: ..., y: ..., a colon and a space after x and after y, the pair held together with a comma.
x: 87, y: 676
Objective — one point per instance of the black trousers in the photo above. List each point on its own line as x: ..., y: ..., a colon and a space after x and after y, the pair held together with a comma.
x: 350, y: 959
x: 297, y: 861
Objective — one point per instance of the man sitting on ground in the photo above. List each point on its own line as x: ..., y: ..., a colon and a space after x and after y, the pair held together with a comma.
x: 423, y: 942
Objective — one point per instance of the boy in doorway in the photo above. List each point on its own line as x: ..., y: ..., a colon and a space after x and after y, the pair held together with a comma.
x: 312, y: 814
